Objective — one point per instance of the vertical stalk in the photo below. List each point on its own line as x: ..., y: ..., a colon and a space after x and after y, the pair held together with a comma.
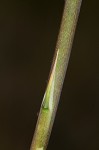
x: 57, y: 75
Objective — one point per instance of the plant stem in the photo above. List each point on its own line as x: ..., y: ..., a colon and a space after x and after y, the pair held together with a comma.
x: 57, y: 75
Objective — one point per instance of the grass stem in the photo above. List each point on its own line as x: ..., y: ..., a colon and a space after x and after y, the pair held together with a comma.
x: 57, y: 75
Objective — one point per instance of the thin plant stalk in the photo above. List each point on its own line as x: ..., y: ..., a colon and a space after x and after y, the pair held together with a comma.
x: 57, y: 75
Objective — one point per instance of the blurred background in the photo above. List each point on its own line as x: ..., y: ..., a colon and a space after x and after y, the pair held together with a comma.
x: 28, y: 35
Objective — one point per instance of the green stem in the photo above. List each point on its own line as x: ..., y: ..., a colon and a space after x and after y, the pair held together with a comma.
x: 57, y: 75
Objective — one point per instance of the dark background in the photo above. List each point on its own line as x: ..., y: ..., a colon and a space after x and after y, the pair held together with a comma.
x: 28, y: 34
